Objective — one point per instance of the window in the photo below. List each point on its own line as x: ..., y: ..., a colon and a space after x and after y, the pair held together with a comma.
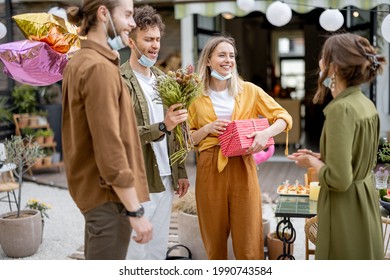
x: 289, y: 62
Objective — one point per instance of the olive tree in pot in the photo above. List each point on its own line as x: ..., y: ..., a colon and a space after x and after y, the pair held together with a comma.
x: 21, y: 230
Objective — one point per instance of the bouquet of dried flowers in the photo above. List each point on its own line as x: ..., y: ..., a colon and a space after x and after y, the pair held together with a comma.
x: 182, y: 86
x: 37, y: 205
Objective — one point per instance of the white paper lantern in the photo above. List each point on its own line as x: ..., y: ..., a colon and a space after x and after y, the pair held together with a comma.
x: 246, y: 5
x: 59, y: 12
x: 385, y: 28
x: 278, y: 13
x: 3, y: 30
x: 331, y: 19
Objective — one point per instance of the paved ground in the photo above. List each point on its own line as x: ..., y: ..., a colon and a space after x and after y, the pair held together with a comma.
x: 63, y: 232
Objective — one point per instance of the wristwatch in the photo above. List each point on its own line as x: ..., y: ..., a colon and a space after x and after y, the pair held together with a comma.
x: 163, y: 128
x: 138, y: 214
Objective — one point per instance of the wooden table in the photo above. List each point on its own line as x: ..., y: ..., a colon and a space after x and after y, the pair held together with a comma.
x: 292, y: 206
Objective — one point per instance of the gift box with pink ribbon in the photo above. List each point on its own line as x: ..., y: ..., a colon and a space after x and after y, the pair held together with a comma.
x: 234, y: 141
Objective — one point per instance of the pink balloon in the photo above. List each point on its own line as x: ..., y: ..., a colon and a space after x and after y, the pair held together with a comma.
x: 264, y: 155
x: 32, y: 62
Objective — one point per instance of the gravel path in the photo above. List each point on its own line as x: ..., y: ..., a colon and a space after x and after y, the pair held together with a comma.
x: 64, y: 229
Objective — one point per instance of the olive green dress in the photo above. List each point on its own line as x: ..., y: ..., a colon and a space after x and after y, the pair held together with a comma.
x: 349, y: 219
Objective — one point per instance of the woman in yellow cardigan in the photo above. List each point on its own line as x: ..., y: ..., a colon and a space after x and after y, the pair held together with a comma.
x: 227, y: 189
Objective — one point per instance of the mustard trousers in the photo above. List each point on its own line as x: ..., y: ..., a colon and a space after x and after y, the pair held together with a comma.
x: 229, y: 202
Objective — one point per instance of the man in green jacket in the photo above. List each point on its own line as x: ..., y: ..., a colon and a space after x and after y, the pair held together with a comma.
x: 154, y: 128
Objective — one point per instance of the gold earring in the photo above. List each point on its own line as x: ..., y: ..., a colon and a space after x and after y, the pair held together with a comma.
x: 332, y: 82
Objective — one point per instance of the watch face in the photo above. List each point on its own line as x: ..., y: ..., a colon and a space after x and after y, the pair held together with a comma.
x: 139, y: 213
x: 162, y: 127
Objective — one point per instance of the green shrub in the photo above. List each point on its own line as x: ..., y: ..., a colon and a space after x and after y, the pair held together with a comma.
x: 24, y: 98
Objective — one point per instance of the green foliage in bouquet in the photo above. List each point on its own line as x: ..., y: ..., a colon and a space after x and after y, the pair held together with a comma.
x: 182, y: 86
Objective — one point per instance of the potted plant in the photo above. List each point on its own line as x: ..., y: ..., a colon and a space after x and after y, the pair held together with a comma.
x: 24, y: 97
x: 42, y: 207
x: 21, y: 230
x: 188, y: 227
x: 39, y: 136
x: 5, y: 110
x: 42, y: 117
x: 383, y: 155
x: 27, y: 131
x: 47, y: 157
x: 48, y: 134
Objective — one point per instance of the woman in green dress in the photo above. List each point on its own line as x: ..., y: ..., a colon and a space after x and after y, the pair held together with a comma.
x: 349, y: 220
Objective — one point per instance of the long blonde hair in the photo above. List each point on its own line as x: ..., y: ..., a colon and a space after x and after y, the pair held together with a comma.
x: 235, y: 82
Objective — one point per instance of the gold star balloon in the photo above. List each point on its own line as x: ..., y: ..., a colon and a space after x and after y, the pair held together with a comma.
x: 57, y: 32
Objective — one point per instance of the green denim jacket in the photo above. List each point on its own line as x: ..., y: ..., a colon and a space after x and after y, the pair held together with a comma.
x: 150, y: 133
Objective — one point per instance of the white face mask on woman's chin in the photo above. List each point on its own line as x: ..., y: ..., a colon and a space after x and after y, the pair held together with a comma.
x: 218, y: 76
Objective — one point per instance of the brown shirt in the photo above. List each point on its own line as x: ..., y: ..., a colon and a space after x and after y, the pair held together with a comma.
x: 99, y: 131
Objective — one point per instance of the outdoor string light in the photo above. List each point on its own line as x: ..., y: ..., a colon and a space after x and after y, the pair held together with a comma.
x: 385, y: 28
x: 59, y: 12
x: 331, y: 19
x: 3, y: 30
x: 279, y: 13
x: 246, y: 5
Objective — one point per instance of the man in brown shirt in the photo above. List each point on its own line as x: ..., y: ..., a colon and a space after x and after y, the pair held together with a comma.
x: 102, y: 151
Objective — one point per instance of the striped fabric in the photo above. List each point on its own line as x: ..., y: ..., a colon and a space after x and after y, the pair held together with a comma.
x: 300, y: 6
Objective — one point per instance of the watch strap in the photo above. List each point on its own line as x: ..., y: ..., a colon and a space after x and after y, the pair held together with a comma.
x: 139, y: 213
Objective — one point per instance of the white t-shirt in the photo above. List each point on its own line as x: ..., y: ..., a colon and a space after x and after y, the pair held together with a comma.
x: 156, y: 115
x: 223, y: 104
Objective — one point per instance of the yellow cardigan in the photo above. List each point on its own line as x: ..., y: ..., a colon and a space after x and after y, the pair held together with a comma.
x: 251, y: 103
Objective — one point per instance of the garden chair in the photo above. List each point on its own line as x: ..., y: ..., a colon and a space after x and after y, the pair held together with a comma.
x: 7, y: 181
x: 8, y: 186
x: 310, y: 224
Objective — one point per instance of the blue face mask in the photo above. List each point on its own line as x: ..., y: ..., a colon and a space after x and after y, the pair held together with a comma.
x: 218, y: 76
x: 327, y: 81
x: 115, y: 43
x: 144, y: 60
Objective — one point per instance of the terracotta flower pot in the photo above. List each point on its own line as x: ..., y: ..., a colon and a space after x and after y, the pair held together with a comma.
x: 33, y: 121
x: 47, y: 161
x: 49, y: 140
x: 38, y: 162
x: 40, y: 140
x: 21, y: 237
x: 275, y: 246
x: 23, y: 121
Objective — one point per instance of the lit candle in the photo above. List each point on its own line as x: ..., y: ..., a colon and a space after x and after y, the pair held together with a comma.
x: 314, y: 190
